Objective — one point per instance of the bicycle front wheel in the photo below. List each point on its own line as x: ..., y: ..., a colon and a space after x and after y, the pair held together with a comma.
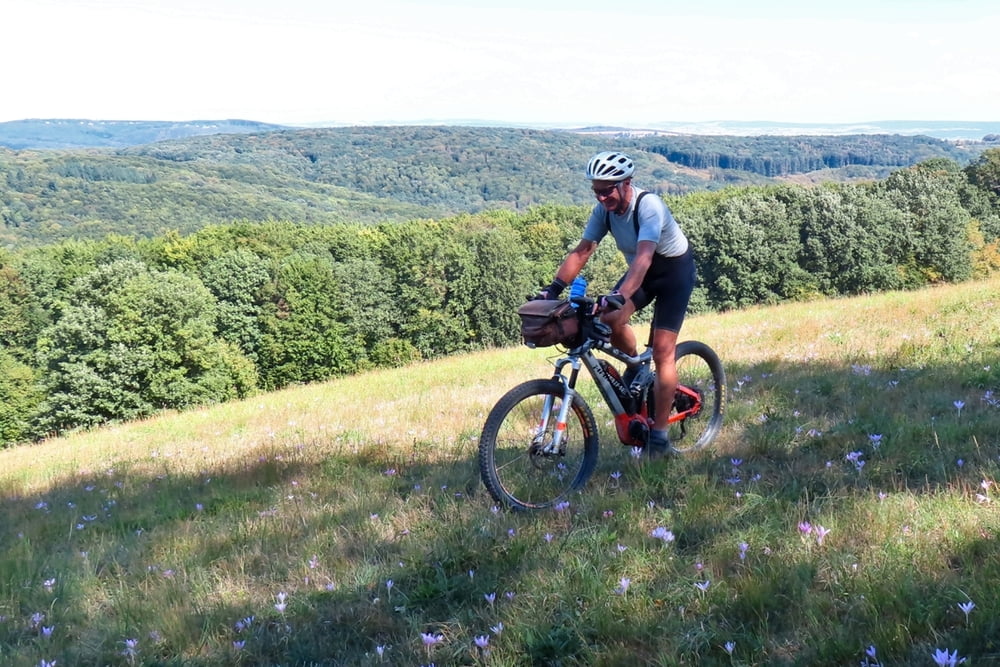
x: 699, y: 370
x: 517, y: 461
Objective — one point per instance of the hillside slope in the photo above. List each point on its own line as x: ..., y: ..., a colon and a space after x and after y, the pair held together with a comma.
x: 849, y: 507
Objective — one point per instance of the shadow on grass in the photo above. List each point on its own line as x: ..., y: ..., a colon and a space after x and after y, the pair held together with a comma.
x: 286, y: 557
x: 180, y: 562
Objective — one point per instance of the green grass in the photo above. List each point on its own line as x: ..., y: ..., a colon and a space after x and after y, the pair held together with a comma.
x: 277, y: 523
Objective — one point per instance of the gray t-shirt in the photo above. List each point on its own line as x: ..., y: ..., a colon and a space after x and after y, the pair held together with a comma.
x: 656, y: 223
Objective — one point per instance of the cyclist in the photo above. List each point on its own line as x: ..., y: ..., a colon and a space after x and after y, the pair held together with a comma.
x: 661, y: 270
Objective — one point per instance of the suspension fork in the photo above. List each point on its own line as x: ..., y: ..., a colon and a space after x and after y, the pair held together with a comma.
x: 569, y: 392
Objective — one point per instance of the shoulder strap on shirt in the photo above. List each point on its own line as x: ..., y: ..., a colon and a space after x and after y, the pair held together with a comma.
x: 635, y: 214
x: 635, y: 211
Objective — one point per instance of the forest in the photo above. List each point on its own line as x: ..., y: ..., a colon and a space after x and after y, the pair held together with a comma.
x: 109, y: 326
x: 395, y: 174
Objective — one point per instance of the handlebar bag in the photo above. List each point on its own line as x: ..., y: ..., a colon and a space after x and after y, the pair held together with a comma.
x: 549, y: 322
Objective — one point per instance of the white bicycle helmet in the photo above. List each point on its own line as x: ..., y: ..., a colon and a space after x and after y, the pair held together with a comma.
x: 610, y: 166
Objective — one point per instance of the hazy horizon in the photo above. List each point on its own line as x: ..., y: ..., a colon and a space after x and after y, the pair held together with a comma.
x: 945, y: 129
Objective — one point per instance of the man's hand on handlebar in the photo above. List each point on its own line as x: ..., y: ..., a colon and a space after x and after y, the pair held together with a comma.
x: 551, y: 291
x: 613, y: 301
x: 540, y: 296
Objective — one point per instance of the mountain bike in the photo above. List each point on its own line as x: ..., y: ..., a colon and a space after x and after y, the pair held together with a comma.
x: 540, y: 441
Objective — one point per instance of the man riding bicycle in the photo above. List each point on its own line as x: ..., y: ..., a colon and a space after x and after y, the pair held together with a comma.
x: 661, y: 271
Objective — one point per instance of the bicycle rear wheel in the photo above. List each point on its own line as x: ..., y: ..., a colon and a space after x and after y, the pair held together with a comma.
x: 700, y: 370
x: 513, y: 463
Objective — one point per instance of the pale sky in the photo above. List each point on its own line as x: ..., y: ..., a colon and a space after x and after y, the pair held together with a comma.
x: 563, y: 62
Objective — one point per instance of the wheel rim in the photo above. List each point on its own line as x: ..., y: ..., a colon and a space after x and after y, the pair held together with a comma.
x: 698, y: 373
x: 525, y: 473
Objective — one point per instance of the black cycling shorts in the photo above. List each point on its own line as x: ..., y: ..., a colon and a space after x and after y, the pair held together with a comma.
x: 669, y: 282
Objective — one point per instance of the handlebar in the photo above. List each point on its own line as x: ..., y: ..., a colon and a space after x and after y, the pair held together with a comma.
x: 601, y: 304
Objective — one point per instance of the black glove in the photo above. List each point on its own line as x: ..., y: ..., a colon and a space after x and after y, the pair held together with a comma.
x: 553, y: 291
x: 613, y: 301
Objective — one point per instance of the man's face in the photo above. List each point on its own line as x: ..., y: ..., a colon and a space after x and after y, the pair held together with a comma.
x: 609, y: 193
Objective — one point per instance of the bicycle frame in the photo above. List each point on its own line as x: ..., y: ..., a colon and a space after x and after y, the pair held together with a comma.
x: 632, y: 426
x: 534, y: 450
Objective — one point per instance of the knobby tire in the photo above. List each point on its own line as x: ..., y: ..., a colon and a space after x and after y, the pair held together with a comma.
x: 512, y: 470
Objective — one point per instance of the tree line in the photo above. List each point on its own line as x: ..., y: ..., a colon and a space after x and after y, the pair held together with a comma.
x: 95, y: 331
x: 774, y: 156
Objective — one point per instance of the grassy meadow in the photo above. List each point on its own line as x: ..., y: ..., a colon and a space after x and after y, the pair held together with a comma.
x: 847, y: 515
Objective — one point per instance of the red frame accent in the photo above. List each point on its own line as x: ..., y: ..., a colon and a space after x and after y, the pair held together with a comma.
x: 624, y: 420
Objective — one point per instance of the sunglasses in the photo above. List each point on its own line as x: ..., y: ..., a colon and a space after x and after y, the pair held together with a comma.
x: 601, y: 193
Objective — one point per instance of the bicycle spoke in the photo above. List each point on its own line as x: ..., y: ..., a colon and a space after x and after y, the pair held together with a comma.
x: 515, y: 466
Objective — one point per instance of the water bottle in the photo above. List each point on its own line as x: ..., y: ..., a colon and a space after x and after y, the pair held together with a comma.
x: 578, y: 288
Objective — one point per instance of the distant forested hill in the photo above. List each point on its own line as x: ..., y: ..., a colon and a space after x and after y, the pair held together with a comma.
x: 774, y: 156
x: 372, y: 174
x: 56, y: 133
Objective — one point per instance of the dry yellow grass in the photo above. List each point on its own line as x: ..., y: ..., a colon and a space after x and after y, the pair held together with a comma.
x: 435, y: 402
